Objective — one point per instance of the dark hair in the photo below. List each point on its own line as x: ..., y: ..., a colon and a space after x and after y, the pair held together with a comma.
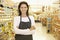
x: 1, y: 5
x: 19, y: 11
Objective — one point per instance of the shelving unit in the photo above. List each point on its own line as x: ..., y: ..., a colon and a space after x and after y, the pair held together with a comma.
x: 56, y: 26
x: 6, y: 24
x: 56, y: 21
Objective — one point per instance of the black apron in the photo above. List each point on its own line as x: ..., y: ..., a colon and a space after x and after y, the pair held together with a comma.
x: 24, y: 25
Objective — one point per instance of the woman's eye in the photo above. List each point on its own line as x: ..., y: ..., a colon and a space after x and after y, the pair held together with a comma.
x: 24, y: 7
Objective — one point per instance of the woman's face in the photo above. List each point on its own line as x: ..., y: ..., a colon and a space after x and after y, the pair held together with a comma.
x: 23, y: 8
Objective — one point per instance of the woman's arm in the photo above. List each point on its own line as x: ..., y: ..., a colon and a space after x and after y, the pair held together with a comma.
x: 23, y: 31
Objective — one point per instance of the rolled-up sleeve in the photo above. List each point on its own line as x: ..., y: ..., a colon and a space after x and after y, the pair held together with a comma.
x: 16, y: 21
x: 32, y: 21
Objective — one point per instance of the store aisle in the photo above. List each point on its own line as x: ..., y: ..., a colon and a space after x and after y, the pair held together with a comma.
x: 41, y: 33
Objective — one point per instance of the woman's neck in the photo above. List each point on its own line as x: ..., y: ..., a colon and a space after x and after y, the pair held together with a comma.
x: 24, y: 15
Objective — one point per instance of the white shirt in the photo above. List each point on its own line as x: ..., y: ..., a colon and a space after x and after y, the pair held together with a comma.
x: 23, y: 31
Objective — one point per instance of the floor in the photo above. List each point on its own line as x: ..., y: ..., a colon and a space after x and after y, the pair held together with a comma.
x: 41, y: 33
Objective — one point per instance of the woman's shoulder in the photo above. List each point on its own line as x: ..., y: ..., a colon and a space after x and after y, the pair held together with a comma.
x: 23, y: 17
x: 31, y: 17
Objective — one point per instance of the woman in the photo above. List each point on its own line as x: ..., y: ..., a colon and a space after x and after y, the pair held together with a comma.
x: 24, y: 24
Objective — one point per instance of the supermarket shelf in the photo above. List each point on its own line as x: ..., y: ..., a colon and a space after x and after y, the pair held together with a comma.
x: 57, y: 24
